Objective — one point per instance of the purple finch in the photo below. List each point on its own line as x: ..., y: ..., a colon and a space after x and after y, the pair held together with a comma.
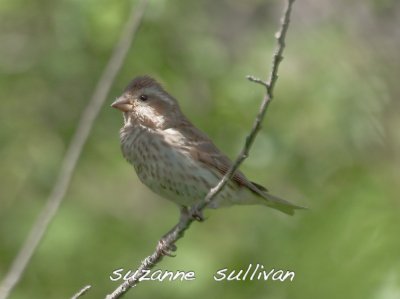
x: 174, y: 158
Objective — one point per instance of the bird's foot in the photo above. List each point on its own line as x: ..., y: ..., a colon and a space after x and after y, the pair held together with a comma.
x: 197, y: 215
x: 191, y: 213
x: 164, y: 248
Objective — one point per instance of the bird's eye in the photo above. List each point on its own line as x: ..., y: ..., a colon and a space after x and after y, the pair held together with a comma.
x: 143, y: 97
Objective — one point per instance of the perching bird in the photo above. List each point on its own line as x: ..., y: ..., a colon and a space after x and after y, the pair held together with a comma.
x: 174, y: 158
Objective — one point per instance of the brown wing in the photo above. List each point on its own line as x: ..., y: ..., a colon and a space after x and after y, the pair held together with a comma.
x: 204, y: 150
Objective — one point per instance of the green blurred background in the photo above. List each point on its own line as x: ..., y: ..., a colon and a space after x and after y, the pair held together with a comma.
x: 330, y: 141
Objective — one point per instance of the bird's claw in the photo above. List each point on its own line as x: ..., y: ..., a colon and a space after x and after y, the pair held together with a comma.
x: 198, y: 215
x: 164, y: 248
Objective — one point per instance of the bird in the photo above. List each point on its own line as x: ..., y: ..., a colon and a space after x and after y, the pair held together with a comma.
x: 175, y: 159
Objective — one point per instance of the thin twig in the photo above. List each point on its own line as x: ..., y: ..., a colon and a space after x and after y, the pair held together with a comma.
x: 176, y: 233
x: 81, y: 292
x: 74, y: 151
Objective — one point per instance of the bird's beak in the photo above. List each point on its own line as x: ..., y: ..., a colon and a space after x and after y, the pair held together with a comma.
x: 122, y: 104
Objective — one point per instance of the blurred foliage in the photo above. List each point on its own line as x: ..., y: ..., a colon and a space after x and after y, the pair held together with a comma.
x: 330, y: 141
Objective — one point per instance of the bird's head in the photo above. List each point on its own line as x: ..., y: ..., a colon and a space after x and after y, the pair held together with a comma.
x: 145, y: 102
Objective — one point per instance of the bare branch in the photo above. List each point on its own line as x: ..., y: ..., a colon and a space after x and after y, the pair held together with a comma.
x: 257, y: 80
x: 168, y: 241
x: 74, y: 151
x: 81, y: 292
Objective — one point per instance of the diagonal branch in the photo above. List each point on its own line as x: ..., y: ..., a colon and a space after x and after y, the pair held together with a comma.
x: 74, y: 151
x: 81, y: 292
x: 168, y: 241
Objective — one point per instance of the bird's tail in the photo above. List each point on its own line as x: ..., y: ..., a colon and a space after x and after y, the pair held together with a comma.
x: 273, y: 201
x: 280, y: 204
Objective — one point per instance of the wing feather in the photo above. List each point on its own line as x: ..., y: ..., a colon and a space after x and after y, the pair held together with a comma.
x: 203, y: 149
